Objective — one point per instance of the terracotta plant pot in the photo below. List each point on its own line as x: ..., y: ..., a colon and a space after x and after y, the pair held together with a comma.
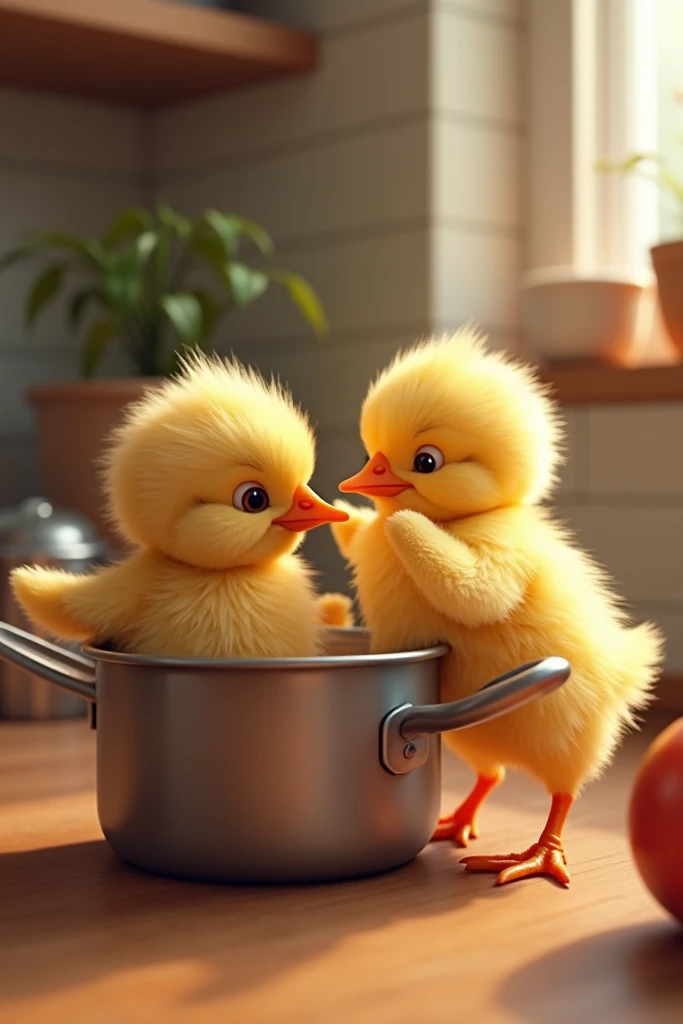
x: 667, y: 261
x: 73, y: 422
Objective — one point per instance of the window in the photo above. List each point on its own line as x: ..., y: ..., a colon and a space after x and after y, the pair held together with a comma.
x: 603, y: 74
x: 669, y: 27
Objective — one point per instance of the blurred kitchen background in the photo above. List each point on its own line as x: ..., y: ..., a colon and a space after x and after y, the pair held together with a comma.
x: 422, y: 158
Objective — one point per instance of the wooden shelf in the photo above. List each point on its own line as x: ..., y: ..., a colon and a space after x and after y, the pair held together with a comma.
x: 149, y: 53
x: 597, y: 384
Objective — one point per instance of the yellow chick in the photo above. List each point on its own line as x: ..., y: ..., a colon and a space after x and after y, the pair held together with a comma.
x: 463, y: 445
x: 206, y: 479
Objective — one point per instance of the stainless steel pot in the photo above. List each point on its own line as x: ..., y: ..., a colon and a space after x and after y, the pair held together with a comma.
x: 277, y: 771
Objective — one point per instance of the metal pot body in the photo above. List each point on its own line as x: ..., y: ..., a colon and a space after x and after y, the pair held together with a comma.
x: 272, y: 771
x: 259, y: 776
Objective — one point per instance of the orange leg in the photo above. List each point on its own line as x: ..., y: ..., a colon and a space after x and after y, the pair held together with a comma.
x: 546, y: 857
x: 461, y: 825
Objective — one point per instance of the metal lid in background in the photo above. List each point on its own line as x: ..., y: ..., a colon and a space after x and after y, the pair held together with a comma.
x: 37, y: 529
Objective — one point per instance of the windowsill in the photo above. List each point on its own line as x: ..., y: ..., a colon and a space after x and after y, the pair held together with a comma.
x: 585, y: 383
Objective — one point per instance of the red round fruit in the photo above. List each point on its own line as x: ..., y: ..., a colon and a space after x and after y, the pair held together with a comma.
x: 656, y: 819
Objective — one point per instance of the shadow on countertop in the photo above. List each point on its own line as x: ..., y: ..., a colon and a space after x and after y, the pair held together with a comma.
x: 72, y: 914
x: 621, y: 976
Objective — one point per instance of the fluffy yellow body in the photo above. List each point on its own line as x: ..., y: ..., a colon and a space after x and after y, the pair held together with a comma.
x: 536, y: 595
x: 155, y: 606
x: 206, y: 480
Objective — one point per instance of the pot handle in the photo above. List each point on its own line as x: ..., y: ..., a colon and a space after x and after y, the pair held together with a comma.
x: 73, y: 672
x: 406, y: 729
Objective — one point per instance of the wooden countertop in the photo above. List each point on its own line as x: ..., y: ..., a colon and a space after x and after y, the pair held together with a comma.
x: 87, y: 940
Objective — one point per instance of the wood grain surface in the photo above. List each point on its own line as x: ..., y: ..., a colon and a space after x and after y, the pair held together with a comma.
x: 86, y: 939
x: 588, y: 383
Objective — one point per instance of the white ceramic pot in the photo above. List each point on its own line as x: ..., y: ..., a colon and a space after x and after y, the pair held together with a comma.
x: 569, y: 316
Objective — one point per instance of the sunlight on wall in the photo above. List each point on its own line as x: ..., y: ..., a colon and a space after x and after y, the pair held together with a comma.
x: 670, y: 113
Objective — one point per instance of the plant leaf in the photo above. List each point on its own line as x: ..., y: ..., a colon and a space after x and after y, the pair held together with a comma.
x: 225, y: 229
x: 670, y: 181
x: 304, y: 298
x: 89, y: 249
x: 212, y: 250
x: 45, y: 288
x: 129, y: 222
x: 258, y: 235
x: 78, y: 304
x: 123, y: 278
x: 174, y: 221
x: 185, y: 313
x: 661, y: 174
x: 95, y: 344
x: 635, y: 160
x: 210, y: 313
x: 229, y: 227
x: 246, y: 284
x: 15, y: 255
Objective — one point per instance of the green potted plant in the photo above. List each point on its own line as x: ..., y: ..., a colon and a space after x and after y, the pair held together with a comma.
x: 667, y: 257
x: 155, y: 283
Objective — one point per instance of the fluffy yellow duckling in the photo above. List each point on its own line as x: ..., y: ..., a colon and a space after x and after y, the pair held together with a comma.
x: 207, y: 480
x: 463, y: 445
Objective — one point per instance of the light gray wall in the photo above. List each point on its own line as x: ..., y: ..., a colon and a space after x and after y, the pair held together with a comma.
x: 622, y: 491
x: 477, y: 151
x: 68, y: 166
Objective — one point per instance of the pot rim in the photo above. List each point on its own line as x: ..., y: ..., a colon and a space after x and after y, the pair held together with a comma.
x: 551, y: 277
x: 100, y: 654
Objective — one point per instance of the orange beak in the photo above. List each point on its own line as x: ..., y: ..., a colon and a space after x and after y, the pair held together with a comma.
x: 309, y: 511
x: 375, y: 480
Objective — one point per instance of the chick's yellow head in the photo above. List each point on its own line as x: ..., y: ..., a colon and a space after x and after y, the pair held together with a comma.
x: 211, y: 468
x: 453, y: 429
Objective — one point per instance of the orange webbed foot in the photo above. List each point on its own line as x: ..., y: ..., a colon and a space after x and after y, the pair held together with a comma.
x: 546, y: 857
x: 461, y: 825
x: 457, y: 826
x: 543, y: 858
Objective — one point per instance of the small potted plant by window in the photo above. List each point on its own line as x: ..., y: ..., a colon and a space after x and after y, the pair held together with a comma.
x: 155, y: 283
x: 667, y: 257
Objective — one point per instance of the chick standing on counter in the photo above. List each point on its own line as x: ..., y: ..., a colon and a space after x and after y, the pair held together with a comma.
x: 463, y: 446
x: 207, y: 479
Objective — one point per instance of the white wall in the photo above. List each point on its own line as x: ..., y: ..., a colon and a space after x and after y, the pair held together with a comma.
x: 477, y: 123
x: 67, y: 166
x: 390, y: 179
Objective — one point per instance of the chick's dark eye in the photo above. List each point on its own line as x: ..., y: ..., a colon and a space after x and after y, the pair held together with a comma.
x: 255, y: 500
x: 251, y: 497
x: 428, y: 459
